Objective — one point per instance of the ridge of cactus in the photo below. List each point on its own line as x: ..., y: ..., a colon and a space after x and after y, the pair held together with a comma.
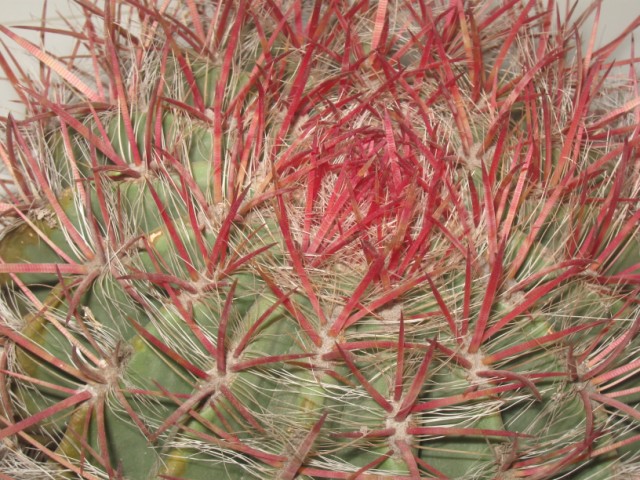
x: 346, y: 239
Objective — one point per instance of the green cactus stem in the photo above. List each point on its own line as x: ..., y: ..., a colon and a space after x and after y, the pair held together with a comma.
x: 343, y: 239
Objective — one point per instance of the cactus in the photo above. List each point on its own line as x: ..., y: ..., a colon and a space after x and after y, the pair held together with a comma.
x: 346, y: 239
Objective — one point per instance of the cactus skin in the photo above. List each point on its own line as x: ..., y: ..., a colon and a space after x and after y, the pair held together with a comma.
x: 323, y: 240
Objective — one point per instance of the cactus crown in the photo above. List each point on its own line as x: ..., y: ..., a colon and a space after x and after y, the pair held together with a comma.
x: 345, y: 239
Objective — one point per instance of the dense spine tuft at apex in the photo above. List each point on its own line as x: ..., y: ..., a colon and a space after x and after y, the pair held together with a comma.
x: 321, y: 240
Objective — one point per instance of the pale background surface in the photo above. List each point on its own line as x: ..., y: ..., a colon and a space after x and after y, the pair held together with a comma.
x: 616, y: 14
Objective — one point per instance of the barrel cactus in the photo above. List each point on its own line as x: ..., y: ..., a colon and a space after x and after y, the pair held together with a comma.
x: 326, y: 239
